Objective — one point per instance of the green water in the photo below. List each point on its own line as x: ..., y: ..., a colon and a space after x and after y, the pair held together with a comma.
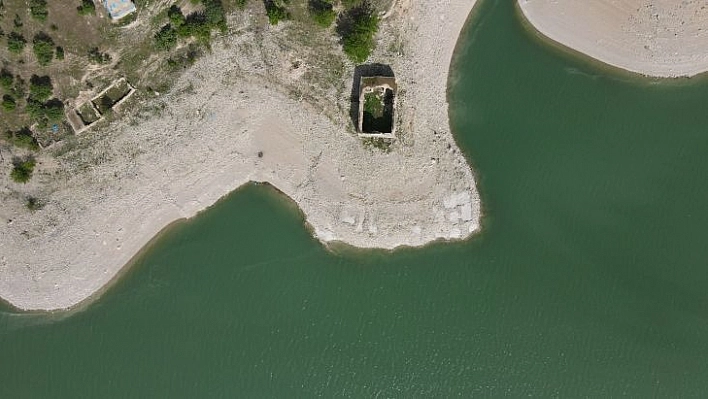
x: 589, y: 279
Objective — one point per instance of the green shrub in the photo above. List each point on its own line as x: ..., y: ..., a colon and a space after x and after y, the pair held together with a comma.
x: 87, y: 7
x: 43, y: 47
x: 19, y: 89
x: 16, y: 42
x: 38, y: 9
x: 8, y: 103
x: 22, y: 169
x: 166, y: 38
x: 175, y: 15
x: 6, y: 79
x: 96, y: 56
x: 41, y: 88
x: 275, y: 12
x: 241, y: 4
x: 22, y: 138
x: 322, y: 12
x: 357, y: 29
x: 59, y: 53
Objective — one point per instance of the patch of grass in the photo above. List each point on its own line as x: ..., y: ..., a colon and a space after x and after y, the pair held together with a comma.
x: 166, y: 38
x: 322, y: 12
x: 34, y: 204
x: 16, y: 42
x: 43, y: 47
x: 378, y: 143
x: 9, y: 103
x: 357, y: 28
x: 22, y: 169
x: 373, y: 105
x: 86, y: 8
x: 6, y: 79
x: 183, y: 61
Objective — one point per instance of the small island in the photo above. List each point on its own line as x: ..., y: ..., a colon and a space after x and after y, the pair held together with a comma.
x: 662, y: 38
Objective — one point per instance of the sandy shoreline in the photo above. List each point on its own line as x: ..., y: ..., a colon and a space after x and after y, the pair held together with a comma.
x: 201, y: 142
x: 659, y: 38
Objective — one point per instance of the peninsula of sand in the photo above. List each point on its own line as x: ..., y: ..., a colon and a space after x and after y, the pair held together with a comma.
x: 661, y: 38
x: 230, y: 120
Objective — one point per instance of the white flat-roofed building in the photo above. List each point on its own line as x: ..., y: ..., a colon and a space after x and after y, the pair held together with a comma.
x: 118, y: 9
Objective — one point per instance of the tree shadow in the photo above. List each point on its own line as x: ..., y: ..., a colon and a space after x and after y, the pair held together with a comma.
x: 365, y: 71
x: 346, y: 21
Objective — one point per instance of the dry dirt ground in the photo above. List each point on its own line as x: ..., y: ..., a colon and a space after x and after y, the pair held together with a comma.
x: 259, y: 107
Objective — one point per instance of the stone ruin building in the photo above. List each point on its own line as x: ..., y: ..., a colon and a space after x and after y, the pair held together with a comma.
x: 377, y: 96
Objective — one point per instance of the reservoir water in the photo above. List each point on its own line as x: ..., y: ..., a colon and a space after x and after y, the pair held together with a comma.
x: 589, y: 279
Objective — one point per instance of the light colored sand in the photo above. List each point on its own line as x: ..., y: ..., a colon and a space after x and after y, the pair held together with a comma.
x: 664, y: 38
x: 129, y: 182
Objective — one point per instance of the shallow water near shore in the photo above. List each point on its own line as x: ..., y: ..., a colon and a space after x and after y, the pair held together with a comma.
x: 589, y: 278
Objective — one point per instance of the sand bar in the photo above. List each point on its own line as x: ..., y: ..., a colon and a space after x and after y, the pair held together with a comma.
x: 661, y: 38
x: 227, y: 122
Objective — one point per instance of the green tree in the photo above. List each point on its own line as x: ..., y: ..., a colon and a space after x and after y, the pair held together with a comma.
x: 45, y: 113
x: 275, y: 12
x: 87, y: 7
x: 357, y: 29
x: 16, y: 42
x: 214, y: 11
x: 43, y: 47
x: 38, y: 9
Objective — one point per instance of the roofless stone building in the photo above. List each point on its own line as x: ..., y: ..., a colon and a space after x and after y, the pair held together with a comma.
x: 377, y: 100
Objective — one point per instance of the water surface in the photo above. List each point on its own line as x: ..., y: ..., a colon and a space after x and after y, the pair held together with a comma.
x: 590, y: 277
